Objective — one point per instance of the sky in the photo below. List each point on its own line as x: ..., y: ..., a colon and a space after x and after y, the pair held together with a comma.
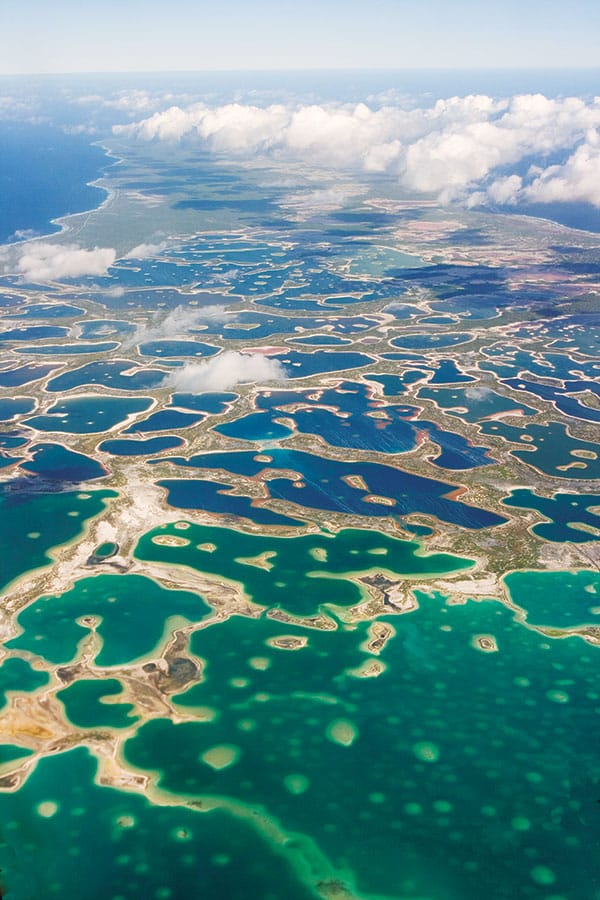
x: 63, y: 36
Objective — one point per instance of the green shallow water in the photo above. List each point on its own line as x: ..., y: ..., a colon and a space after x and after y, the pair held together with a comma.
x: 17, y: 675
x: 557, y: 599
x: 10, y: 752
x: 300, y: 573
x: 131, y: 613
x: 106, y: 550
x: 31, y: 525
x: 85, y: 704
x: 63, y: 836
x: 456, y: 773
x: 465, y: 775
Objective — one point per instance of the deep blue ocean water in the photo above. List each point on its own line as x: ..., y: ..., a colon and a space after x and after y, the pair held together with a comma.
x: 45, y: 173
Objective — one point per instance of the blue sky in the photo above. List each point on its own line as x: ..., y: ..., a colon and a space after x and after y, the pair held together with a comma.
x: 177, y: 35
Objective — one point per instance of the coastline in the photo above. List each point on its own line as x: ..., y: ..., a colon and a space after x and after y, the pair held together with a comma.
x: 61, y: 220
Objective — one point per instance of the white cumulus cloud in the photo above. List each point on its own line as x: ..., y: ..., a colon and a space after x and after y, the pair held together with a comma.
x: 178, y: 322
x: 146, y: 251
x: 43, y: 262
x: 322, y: 200
x: 454, y: 149
x: 505, y: 190
x: 226, y: 371
x: 577, y: 180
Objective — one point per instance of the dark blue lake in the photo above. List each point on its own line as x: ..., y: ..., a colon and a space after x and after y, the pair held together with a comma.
x: 568, y: 514
x: 11, y: 407
x: 215, y: 497
x: 165, y: 420
x: 322, y: 483
x: 33, y: 333
x: 110, y: 374
x: 89, y: 414
x: 145, y: 447
x: 212, y: 402
x: 53, y: 462
x: 68, y: 349
x: 348, y: 417
x: 47, y: 311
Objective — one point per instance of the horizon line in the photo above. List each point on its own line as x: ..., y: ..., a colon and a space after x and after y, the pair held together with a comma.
x: 311, y: 69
